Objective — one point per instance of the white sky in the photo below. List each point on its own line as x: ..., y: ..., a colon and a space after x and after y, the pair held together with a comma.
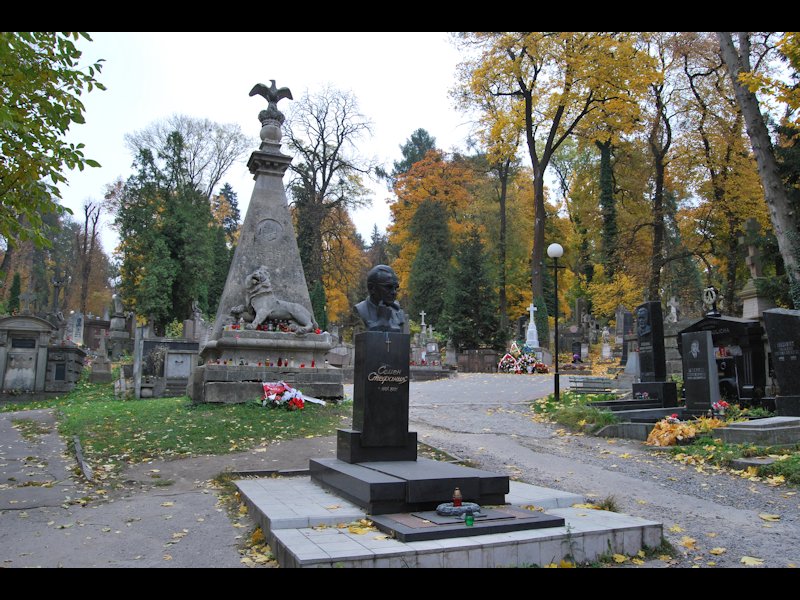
x: 401, y: 81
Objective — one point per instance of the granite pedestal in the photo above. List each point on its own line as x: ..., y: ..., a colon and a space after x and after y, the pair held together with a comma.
x: 376, y: 464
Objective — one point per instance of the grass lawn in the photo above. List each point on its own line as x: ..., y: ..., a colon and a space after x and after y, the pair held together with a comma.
x: 131, y: 431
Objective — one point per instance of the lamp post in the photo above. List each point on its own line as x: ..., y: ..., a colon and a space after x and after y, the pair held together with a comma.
x: 556, y: 251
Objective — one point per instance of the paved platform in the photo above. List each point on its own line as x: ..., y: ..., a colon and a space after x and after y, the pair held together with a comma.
x: 307, y: 526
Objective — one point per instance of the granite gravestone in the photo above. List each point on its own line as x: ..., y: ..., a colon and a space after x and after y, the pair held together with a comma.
x: 783, y: 333
x: 652, y: 358
x: 700, y: 378
x: 650, y: 333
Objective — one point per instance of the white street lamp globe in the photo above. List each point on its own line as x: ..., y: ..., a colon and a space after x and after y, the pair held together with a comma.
x: 555, y: 251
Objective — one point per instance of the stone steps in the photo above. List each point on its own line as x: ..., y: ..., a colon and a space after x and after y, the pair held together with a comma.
x: 306, y: 526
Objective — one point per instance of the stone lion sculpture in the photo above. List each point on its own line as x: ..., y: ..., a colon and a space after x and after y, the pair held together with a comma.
x: 262, y: 305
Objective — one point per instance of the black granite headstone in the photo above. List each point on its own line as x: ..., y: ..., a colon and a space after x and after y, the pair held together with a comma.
x: 650, y: 332
x: 699, y: 371
x: 380, y: 400
x: 783, y: 332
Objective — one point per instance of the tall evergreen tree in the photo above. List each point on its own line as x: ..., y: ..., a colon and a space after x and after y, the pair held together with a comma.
x: 166, y: 237
x: 427, y: 282
x: 414, y: 150
x: 319, y: 304
x: 13, y: 294
x: 470, y: 312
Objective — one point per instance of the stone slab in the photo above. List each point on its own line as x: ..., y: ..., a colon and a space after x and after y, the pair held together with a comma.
x: 774, y: 431
x: 421, y: 526
x: 405, y: 486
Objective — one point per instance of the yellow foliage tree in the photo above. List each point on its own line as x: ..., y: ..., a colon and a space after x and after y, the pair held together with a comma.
x: 561, y: 82
x: 435, y: 177
x: 343, y: 263
x: 606, y: 296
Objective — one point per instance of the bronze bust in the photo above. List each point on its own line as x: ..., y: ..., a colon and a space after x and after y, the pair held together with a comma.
x: 381, y: 312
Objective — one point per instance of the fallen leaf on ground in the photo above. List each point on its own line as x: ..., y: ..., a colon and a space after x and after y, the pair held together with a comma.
x: 626, y: 455
x: 711, y: 535
x: 333, y: 507
x: 637, y: 561
x: 711, y: 563
x: 675, y: 529
x: 533, y: 507
x: 688, y: 542
x: 167, y: 557
x: 717, y: 551
x: 664, y: 557
x: 641, y: 502
x: 167, y: 504
x: 751, y: 561
x: 619, y: 558
x: 586, y: 505
x: 769, y: 517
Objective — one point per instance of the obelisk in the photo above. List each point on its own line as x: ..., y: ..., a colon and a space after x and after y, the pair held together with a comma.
x: 247, y: 353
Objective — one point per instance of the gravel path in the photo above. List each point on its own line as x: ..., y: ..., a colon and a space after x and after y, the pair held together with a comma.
x: 702, y: 508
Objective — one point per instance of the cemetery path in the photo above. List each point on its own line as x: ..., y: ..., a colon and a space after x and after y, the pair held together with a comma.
x: 49, y: 518
x: 710, y: 516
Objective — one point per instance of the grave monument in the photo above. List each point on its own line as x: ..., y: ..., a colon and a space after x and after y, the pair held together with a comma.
x: 783, y: 333
x: 264, y: 328
x: 377, y: 465
x: 700, y: 377
x: 652, y: 361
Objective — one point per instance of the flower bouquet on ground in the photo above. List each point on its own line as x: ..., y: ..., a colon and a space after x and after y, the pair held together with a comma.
x: 278, y: 393
x: 508, y: 364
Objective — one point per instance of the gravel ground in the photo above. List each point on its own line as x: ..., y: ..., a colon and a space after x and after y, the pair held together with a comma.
x: 702, y: 508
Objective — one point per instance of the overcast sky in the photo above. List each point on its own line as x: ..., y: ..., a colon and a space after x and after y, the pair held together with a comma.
x: 401, y: 81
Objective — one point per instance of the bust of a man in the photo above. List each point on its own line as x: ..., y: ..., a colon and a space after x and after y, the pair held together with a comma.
x: 381, y: 312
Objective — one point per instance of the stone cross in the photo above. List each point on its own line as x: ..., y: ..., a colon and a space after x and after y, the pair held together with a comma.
x: 532, y: 338
x: 430, y: 331
x: 27, y: 297
x: 422, y: 314
x: 672, y: 317
x: 753, y: 259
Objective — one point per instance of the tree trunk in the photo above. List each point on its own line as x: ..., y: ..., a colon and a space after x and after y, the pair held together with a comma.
x: 784, y: 220
x: 609, y: 211
x: 91, y: 213
x: 539, y: 218
x: 657, y: 257
x: 503, y: 171
x: 729, y: 295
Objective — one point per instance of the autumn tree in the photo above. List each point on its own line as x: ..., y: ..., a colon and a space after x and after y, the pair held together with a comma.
x: 739, y: 59
x: 560, y: 79
x: 209, y: 149
x: 344, y: 266
x: 727, y: 180
x: 327, y: 174
x: 41, y: 88
x: 438, y: 179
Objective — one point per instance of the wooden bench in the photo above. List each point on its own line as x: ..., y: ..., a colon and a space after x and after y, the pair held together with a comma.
x: 590, y: 385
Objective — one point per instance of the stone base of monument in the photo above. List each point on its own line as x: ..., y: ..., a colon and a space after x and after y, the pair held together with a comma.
x: 236, y: 365
x: 307, y: 526
x: 235, y: 384
x: 773, y: 431
x: 665, y: 392
x: 787, y: 406
x: 351, y: 449
x: 387, y: 486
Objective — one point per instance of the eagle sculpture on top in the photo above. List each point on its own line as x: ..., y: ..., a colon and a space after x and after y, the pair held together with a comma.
x: 272, y: 95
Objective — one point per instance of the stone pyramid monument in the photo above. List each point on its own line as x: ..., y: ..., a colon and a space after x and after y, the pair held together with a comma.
x: 264, y: 328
